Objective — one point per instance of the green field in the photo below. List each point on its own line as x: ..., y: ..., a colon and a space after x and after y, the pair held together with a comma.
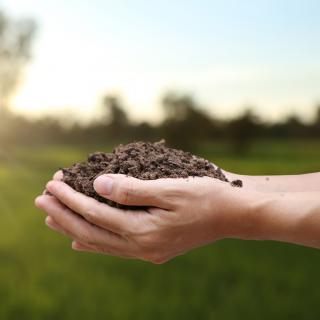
x: 42, y: 278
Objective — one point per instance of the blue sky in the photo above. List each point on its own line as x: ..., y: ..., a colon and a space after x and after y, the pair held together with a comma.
x: 228, y: 54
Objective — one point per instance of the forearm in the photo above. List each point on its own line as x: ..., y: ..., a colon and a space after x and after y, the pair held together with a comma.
x: 290, y: 183
x: 287, y: 217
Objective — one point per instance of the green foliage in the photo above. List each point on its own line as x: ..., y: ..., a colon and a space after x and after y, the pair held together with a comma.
x: 185, y: 124
x: 243, y: 130
x: 42, y: 278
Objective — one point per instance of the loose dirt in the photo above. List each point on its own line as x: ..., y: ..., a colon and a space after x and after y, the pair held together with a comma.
x: 142, y: 160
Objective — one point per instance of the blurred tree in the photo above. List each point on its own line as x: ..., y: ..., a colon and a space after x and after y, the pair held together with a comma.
x: 316, y: 123
x: 185, y: 124
x: 15, y: 51
x: 145, y: 131
x: 116, y: 122
x: 295, y: 127
x: 115, y: 114
x: 243, y: 130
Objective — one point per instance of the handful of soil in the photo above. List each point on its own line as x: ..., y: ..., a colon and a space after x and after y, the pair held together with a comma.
x: 142, y: 160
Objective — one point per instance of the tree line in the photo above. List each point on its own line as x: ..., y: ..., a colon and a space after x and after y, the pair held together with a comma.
x: 185, y: 125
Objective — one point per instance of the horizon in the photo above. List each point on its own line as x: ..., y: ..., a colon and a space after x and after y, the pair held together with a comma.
x: 227, y: 56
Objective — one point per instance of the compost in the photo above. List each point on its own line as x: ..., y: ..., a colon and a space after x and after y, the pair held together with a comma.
x: 142, y: 160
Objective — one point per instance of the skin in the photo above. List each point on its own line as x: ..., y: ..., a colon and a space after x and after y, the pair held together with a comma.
x: 294, y: 183
x: 182, y: 214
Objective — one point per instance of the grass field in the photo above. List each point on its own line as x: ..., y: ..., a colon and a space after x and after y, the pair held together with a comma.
x: 42, y: 278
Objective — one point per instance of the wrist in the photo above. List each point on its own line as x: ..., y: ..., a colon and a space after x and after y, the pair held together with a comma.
x: 272, y: 216
x: 248, y: 214
x: 255, y: 215
x: 239, y: 213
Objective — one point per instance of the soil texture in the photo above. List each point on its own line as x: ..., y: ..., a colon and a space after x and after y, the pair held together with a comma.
x: 142, y: 160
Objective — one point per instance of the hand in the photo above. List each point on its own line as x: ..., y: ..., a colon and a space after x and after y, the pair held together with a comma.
x: 179, y: 215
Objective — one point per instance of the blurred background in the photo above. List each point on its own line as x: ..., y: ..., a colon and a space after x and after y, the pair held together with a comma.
x: 235, y: 82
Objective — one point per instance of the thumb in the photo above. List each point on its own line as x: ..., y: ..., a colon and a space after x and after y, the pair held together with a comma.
x: 131, y: 191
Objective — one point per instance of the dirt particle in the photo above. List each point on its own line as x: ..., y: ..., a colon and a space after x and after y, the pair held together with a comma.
x: 237, y: 183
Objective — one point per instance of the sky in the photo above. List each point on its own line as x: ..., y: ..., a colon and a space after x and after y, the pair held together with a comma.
x: 227, y: 54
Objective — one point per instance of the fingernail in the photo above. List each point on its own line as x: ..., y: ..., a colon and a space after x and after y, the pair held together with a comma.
x: 103, y: 185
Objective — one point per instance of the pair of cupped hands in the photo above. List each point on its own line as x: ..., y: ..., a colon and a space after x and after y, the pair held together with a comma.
x: 177, y: 215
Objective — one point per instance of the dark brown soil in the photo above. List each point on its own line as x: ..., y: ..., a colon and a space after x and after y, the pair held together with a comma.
x: 142, y: 160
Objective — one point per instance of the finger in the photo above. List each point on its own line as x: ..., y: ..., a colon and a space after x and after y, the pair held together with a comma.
x: 82, y: 247
x: 114, y: 219
x: 58, y: 175
x: 52, y: 224
x: 77, y: 228
x: 134, y: 192
x: 77, y: 246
